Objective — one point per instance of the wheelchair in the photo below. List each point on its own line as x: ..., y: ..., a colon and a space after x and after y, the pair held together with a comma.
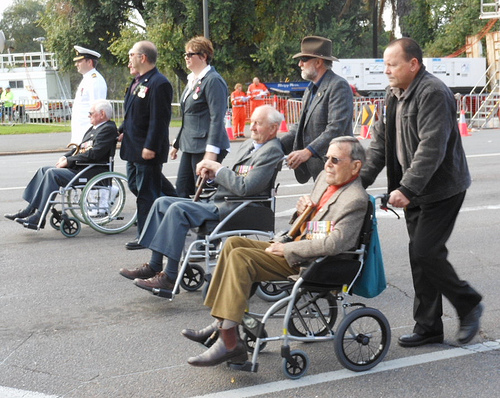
x: 245, y: 220
x: 100, y: 202
x: 310, y: 309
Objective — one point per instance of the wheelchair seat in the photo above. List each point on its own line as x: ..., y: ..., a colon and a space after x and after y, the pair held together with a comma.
x: 344, y: 268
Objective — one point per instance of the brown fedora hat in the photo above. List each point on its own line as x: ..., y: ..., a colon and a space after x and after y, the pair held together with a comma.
x: 316, y: 47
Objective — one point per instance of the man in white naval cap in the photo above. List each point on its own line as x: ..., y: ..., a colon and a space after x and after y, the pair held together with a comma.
x: 91, y: 88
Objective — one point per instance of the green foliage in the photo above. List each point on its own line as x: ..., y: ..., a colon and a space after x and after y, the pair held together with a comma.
x: 455, y: 20
x: 419, y: 24
x: 19, y: 22
x: 250, y: 37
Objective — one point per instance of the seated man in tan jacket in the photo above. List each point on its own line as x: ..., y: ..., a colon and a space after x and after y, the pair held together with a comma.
x: 337, y: 198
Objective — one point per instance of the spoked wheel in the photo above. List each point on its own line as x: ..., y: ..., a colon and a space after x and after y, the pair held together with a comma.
x: 55, y: 220
x: 362, y: 339
x: 297, y: 366
x: 314, y: 314
x: 70, y: 227
x: 73, y: 198
x: 193, y: 277
x: 107, y: 204
x: 269, y: 291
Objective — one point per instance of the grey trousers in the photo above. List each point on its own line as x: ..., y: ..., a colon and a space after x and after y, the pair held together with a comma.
x: 169, y: 221
x: 45, y: 181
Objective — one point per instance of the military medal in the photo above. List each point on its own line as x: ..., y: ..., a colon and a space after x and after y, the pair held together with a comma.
x: 195, y: 95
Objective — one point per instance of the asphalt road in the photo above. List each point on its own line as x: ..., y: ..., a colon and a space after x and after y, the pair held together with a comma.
x: 71, y: 326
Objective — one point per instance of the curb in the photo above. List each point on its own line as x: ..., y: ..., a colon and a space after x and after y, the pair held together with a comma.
x: 41, y: 151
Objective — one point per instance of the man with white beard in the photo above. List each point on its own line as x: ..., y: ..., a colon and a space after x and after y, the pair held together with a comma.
x: 327, y: 110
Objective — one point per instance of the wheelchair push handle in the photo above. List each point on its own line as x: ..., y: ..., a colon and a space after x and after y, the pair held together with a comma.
x: 384, y: 203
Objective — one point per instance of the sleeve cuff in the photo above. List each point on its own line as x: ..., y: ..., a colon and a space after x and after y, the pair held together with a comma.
x: 213, y: 149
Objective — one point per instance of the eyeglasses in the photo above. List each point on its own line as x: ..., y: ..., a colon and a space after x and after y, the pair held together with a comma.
x: 305, y: 59
x: 189, y: 55
x: 132, y: 55
x: 332, y: 159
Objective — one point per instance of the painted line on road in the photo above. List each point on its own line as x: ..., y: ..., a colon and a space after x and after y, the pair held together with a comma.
x: 308, y: 381
x: 6, y: 392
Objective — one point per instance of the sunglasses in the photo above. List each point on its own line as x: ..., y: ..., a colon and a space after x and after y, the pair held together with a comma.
x: 305, y: 59
x: 332, y: 159
x: 189, y: 55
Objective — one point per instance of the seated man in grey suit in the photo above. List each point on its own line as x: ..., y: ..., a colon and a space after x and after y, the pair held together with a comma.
x: 97, y: 145
x: 170, y: 219
x: 338, y: 200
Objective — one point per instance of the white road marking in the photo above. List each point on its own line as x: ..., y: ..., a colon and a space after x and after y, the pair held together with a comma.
x: 6, y: 392
x: 307, y: 381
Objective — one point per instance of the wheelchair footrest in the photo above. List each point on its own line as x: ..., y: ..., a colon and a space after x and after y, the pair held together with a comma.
x: 246, y: 367
x: 162, y: 293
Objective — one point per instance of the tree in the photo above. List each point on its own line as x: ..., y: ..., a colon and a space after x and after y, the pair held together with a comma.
x: 19, y: 23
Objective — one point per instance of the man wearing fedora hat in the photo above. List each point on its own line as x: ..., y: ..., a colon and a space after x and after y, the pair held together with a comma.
x: 327, y: 108
x: 92, y: 87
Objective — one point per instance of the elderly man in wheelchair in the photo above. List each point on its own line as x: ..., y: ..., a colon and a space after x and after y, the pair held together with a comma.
x: 170, y: 219
x: 97, y: 145
x: 336, y: 207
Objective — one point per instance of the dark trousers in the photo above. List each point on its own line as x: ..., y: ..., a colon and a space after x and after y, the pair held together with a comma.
x: 186, y: 174
x: 145, y: 182
x: 429, y: 227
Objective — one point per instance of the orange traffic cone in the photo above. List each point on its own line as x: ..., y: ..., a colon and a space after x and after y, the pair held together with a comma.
x: 462, y: 125
x: 283, y: 127
x: 229, y: 127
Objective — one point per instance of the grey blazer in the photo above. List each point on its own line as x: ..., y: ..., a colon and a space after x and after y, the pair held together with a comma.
x: 329, y: 116
x: 203, y: 114
x: 347, y: 208
x: 250, y: 175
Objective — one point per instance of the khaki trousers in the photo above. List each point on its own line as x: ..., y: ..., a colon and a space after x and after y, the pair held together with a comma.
x: 242, y: 262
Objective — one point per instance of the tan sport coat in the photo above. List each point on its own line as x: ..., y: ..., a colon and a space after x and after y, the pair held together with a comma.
x: 347, y: 208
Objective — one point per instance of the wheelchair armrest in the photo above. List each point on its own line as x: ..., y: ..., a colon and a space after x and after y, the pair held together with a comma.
x: 91, y: 164
x: 333, y: 270
x: 247, y: 198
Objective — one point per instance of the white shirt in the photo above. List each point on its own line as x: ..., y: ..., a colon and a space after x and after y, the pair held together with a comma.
x: 92, y: 87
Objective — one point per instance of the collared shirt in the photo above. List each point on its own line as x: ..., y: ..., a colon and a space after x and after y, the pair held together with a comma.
x: 400, y: 95
x: 193, y: 80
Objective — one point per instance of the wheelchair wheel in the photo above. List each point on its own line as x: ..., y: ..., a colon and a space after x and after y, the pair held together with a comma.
x: 269, y: 291
x: 73, y: 202
x: 193, y: 277
x: 70, y: 227
x: 250, y: 341
x: 55, y: 221
x: 362, y: 339
x: 297, y: 367
x: 314, y: 314
x: 105, y: 206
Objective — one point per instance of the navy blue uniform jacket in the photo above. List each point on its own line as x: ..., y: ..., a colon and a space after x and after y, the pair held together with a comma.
x: 148, y: 109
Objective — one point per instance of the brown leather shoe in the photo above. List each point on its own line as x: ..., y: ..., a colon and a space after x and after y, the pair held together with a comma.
x: 201, y: 336
x: 229, y: 347
x: 144, y: 272
x: 159, y: 281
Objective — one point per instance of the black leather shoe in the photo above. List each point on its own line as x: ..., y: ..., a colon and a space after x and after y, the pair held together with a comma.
x: 32, y: 221
x: 469, y: 325
x: 20, y: 214
x: 134, y: 245
x: 416, y: 340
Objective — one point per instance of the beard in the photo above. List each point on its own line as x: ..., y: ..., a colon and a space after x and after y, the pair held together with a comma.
x: 309, y: 74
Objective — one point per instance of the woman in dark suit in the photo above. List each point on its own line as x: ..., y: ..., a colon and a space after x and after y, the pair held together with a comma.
x: 203, y: 105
